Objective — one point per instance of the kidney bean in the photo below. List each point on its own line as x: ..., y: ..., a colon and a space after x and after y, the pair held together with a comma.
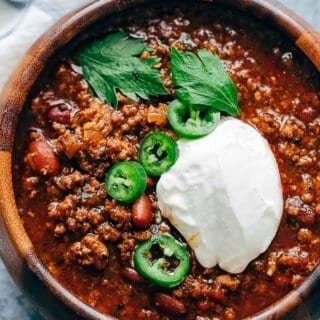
x: 142, y: 212
x: 150, y: 182
x: 169, y: 304
x: 132, y: 275
x: 58, y: 115
x: 42, y: 158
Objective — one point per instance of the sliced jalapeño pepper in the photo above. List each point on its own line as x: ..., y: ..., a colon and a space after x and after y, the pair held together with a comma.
x: 162, y: 260
x: 158, y: 152
x: 126, y: 181
x: 192, y: 122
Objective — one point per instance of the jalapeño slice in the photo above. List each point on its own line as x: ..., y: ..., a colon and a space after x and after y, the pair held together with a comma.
x: 162, y: 260
x: 158, y: 152
x: 126, y: 181
x: 192, y: 122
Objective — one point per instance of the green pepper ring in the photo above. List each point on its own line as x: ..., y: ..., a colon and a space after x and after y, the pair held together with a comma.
x: 154, y: 271
x: 154, y: 146
x: 126, y: 181
x: 192, y: 128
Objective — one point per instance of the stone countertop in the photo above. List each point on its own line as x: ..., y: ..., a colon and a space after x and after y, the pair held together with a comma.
x: 14, y: 305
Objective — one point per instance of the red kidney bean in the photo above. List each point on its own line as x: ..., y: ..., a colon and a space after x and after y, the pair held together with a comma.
x: 150, y: 182
x: 132, y: 275
x: 169, y: 304
x: 42, y: 158
x: 142, y: 212
x: 58, y: 115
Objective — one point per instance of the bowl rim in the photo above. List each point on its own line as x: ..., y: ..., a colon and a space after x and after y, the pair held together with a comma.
x: 16, y: 249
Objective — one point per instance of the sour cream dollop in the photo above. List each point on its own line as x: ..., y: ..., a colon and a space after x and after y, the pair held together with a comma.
x: 224, y: 195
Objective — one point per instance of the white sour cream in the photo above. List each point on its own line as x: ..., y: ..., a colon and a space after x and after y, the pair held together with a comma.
x: 224, y: 195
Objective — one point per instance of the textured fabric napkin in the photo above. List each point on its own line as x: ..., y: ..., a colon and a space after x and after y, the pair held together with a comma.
x: 36, y: 19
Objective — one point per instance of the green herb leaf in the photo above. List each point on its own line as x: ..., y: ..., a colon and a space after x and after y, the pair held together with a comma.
x: 112, y: 63
x: 200, y: 79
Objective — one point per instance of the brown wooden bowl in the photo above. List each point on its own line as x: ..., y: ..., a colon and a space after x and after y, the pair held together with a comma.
x: 16, y: 249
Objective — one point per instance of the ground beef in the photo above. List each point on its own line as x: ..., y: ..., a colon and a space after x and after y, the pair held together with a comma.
x: 107, y: 232
x: 126, y: 246
x: 119, y: 214
x: 294, y: 257
x: 199, y: 288
x: 292, y: 129
x: 88, y: 252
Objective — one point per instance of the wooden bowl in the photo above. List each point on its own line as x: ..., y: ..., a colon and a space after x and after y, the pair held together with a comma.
x: 16, y: 249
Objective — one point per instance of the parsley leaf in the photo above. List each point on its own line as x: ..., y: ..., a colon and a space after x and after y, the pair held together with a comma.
x: 200, y: 79
x: 112, y: 63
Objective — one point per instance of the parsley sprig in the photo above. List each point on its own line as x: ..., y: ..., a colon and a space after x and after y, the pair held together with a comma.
x: 201, y: 80
x: 112, y: 63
